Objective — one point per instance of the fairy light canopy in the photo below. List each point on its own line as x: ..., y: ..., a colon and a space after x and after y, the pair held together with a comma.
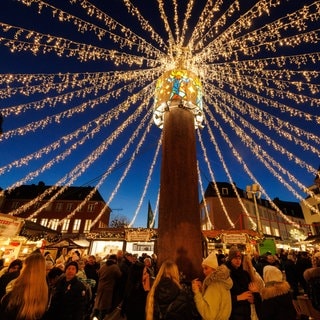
x: 82, y: 76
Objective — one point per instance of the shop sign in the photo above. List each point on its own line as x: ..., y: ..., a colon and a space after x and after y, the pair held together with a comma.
x: 234, y: 238
x: 268, y: 245
x: 135, y: 235
x: 9, y: 226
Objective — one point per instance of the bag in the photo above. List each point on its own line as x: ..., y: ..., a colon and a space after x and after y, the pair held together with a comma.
x: 314, y: 292
x: 115, y: 314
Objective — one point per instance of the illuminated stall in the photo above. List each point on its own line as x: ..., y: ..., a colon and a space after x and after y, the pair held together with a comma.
x: 19, y: 237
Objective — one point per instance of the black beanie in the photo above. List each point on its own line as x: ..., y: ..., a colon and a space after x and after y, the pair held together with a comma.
x: 72, y: 263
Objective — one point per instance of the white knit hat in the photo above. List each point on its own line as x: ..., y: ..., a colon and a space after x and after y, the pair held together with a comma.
x: 272, y: 273
x: 211, y: 261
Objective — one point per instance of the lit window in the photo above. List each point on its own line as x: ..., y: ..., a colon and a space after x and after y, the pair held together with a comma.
x: 90, y: 207
x: 224, y: 191
x: 53, y: 224
x: 44, y: 222
x: 76, y: 225
x: 87, y: 226
x: 267, y: 230
x: 65, y: 225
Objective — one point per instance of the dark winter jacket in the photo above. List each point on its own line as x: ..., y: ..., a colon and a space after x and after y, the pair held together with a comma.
x: 276, y: 302
x: 171, y: 302
x: 68, y: 301
x: 241, y: 310
x: 134, y: 301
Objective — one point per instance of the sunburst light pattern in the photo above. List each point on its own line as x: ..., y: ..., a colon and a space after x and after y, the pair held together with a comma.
x: 78, y: 80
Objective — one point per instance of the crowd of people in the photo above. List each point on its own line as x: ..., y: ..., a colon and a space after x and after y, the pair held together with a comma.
x: 234, y: 286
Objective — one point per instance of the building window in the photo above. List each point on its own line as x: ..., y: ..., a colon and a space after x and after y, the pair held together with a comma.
x: 225, y: 191
x: 76, y: 225
x: 102, y: 225
x: 59, y: 206
x: 276, y: 232
x: 69, y: 206
x: 15, y: 205
x: 53, y: 224
x: 87, y: 226
x: 267, y: 229
x: 37, y: 205
x: 90, y: 207
x: 317, y: 207
x: 44, y: 222
x: 65, y: 226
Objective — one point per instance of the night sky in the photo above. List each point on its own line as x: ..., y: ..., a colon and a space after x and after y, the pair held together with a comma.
x: 247, y: 95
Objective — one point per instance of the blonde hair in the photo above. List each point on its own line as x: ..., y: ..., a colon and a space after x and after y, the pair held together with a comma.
x: 168, y: 269
x: 30, y: 290
x: 254, y: 275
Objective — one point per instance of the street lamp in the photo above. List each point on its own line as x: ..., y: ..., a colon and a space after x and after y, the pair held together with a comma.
x: 254, y: 192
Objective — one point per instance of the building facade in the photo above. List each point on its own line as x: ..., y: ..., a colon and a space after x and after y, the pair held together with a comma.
x: 64, y: 210
x: 227, y: 207
x: 312, y: 217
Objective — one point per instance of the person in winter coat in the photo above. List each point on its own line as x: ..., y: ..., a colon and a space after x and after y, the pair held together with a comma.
x: 12, y: 272
x: 134, y: 301
x: 69, y: 299
x: 213, y: 298
x: 276, y: 297
x: 109, y: 275
x: 244, y: 292
x: 166, y: 298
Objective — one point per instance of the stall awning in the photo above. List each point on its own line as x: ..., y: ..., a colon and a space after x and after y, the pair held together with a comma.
x: 312, y: 239
x: 232, y: 236
x: 34, y: 232
x: 68, y: 243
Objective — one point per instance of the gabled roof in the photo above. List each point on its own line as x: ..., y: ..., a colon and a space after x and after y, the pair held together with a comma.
x: 289, y: 208
x: 211, y: 192
x: 71, y: 193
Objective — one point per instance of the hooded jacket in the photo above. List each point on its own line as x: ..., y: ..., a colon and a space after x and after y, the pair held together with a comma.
x: 277, y: 302
x: 214, y: 302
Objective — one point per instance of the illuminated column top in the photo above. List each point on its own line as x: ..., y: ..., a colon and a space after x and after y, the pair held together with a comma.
x: 178, y: 88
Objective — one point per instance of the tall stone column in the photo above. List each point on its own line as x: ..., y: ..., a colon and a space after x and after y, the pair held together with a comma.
x: 179, y: 233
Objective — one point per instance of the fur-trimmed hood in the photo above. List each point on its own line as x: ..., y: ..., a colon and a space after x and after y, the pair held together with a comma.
x: 222, y: 274
x: 273, y: 289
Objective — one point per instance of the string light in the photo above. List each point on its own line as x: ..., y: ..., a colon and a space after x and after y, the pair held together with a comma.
x: 214, y: 182
x: 227, y: 171
x: 151, y: 169
x: 110, y: 169
x: 254, y: 69
x: 211, y: 225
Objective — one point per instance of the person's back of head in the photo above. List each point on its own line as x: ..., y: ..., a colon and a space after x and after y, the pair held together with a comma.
x: 31, y: 288
x: 15, y: 265
x: 316, y: 259
x: 169, y: 269
x: 53, y: 276
x: 54, y: 272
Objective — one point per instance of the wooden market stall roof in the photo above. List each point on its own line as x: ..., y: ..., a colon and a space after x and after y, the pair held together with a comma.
x: 67, y: 243
x: 218, y: 234
x: 34, y: 232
